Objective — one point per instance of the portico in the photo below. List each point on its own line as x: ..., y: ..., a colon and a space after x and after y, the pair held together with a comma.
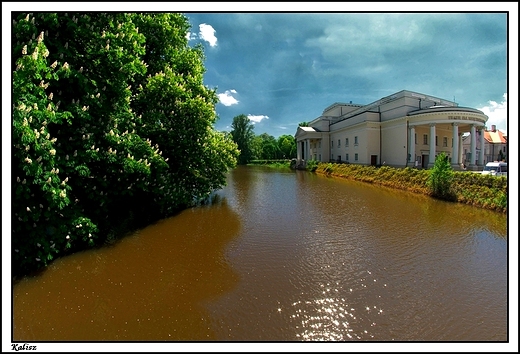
x: 446, y: 122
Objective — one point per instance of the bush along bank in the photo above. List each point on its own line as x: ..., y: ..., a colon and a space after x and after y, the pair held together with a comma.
x: 484, y: 191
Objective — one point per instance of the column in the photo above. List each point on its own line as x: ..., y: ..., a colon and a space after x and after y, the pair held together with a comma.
x: 298, y: 150
x: 461, y: 150
x: 307, y: 152
x: 482, y: 148
x: 473, y: 148
x: 455, y: 149
x: 431, y: 161
x: 411, y: 146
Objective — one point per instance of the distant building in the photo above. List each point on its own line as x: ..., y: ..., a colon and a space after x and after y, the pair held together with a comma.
x: 495, y: 145
x: 403, y: 129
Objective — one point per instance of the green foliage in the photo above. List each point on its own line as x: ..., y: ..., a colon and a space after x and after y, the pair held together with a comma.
x: 484, y: 191
x: 243, y: 135
x: 329, y: 168
x: 287, y: 146
x: 441, y: 177
x: 312, y: 165
x: 501, y: 156
x: 263, y: 146
x: 282, y: 164
x: 110, y: 117
x: 269, y: 149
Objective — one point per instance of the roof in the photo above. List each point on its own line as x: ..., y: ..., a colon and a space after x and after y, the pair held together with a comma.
x: 308, y: 129
x: 495, y: 137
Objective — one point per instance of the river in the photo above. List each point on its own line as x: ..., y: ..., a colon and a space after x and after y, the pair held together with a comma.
x: 284, y: 256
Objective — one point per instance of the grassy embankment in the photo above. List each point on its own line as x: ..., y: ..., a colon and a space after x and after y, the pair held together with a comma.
x: 271, y: 163
x: 482, y: 191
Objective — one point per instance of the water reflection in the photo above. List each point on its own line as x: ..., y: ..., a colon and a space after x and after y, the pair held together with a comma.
x: 285, y: 256
x: 327, y: 259
x: 149, y: 286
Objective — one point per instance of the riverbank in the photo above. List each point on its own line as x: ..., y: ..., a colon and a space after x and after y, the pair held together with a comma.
x: 482, y: 191
x: 271, y: 163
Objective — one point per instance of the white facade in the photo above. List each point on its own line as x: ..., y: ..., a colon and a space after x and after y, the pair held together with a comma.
x: 403, y: 129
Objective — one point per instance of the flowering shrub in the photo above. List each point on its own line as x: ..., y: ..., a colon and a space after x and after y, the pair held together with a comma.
x: 109, y: 114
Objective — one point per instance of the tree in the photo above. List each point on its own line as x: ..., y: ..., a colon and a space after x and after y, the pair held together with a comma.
x: 110, y: 117
x: 243, y: 133
x: 303, y: 124
x: 501, y: 156
x: 269, y: 147
x: 441, y: 177
x: 256, y: 147
x: 287, y: 146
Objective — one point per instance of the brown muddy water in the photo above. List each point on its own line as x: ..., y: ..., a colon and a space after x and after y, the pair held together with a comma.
x: 284, y: 256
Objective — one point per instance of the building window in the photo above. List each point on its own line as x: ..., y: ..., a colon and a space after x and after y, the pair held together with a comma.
x: 346, y: 157
x: 355, y: 157
x: 445, y: 142
x: 451, y: 142
x: 355, y: 140
x: 346, y: 142
x: 319, y: 144
x: 415, y: 138
x: 339, y: 142
x: 332, y: 143
x: 436, y: 140
x: 425, y: 139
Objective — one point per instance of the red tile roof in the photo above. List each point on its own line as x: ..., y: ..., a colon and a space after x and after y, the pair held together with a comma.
x: 495, y: 137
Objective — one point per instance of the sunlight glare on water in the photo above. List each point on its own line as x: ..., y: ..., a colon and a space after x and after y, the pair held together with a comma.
x: 284, y: 256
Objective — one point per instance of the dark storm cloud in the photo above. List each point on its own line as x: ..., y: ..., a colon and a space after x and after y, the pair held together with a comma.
x: 289, y: 66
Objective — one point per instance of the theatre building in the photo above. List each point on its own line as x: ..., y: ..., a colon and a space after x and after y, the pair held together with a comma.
x: 403, y: 129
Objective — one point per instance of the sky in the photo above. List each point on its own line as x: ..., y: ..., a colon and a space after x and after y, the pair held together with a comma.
x: 281, y: 69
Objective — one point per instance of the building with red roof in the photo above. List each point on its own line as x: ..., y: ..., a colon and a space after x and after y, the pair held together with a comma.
x: 495, y: 146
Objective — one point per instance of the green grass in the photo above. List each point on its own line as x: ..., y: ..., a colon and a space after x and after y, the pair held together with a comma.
x: 483, y: 191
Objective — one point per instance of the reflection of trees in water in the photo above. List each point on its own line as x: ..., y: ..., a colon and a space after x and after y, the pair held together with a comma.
x: 172, y: 281
x: 149, y: 286
x: 242, y: 181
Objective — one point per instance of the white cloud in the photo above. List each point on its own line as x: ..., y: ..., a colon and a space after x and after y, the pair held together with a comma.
x: 227, y: 99
x: 207, y: 33
x: 497, y: 113
x: 256, y: 119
